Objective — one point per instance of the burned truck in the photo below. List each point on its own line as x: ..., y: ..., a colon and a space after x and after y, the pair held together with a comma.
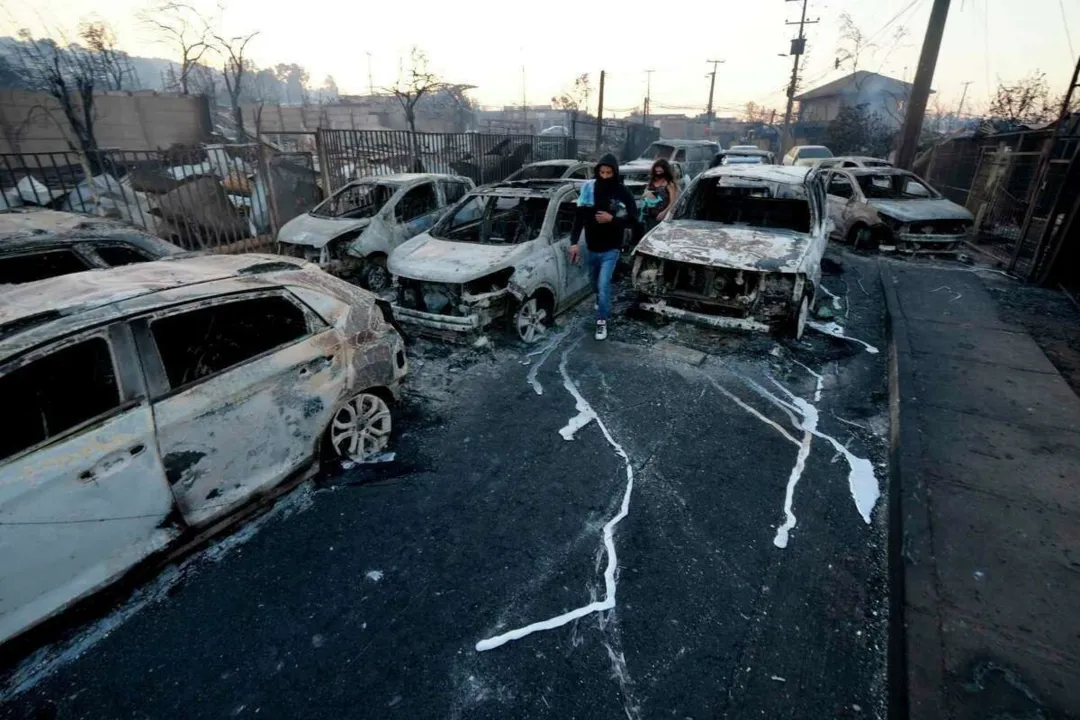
x: 742, y: 250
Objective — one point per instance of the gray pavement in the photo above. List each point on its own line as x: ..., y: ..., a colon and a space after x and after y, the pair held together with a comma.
x: 986, y: 467
x: 367, y: 593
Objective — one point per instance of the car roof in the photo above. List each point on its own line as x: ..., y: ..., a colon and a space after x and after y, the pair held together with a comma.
x: 406, y: 178
x: 25, y: 227
x: 527, y: 188
x: 877, y: 171
x: 71, y: 297
x: 769, y: 173
x: 664, y: 141
x: 561, y: 162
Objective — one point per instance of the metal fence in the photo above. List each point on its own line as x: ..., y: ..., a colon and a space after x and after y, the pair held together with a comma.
x: 626, y: 140
x: 226, y: 198
x: 345, y: 155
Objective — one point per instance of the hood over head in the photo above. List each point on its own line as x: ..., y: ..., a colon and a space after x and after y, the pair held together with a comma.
x: 611, y: 161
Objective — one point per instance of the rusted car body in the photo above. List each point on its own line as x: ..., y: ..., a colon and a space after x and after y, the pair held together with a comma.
x: 553, y: 170
x: 353, y: 231
x: 147, y: 403
x: 742, y: 250
x: 36, y: 244
x: 500, y: 254
x: 890, y: 208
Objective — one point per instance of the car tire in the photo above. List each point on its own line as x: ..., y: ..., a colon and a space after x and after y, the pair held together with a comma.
x: 532, y: 318
x: 375, y: 276
x: 796, y: 323
x: 361, y: 428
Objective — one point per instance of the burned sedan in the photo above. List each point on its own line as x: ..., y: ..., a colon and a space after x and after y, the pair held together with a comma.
x: 888, y: 208
x: 353, y: 231
x: 743, y: 250
x: 145, y: 404
x: 499, y: 255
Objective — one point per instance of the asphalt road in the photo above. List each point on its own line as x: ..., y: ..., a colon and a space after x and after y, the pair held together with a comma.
x: 365, y: 593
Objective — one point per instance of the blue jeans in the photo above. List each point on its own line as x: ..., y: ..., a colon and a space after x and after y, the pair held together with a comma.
x: 601, y: 268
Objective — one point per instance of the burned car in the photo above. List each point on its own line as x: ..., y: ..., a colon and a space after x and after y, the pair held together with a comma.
x: 145, y: 404
x: 636, y: 177
x: 742, y: 250
x: 498, y: 255
x: 889, y: 208
x: 353, y: 231
x: 38, y: 244
x: 553, y: 170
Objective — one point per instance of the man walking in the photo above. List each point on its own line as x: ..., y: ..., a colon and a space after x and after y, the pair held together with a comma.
x: 605, y: 210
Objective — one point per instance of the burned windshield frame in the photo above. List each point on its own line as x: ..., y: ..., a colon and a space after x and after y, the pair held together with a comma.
x: 894, y: 187
x: 495, y: 220
x: 358, y: 209
x: 754, y: 204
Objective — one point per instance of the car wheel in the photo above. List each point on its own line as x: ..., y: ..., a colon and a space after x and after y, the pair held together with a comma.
x: 361, y: 428
x: 797, y: 322
x: 532, y: 319
x: 375, y: 277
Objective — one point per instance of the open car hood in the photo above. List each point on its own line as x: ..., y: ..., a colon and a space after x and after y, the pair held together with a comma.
x: 433, y: 260
x: 914, y: 210
x: 730, y: 246
x: 316, y: 232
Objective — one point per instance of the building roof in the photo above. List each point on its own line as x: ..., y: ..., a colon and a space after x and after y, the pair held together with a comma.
x: 850, y: 84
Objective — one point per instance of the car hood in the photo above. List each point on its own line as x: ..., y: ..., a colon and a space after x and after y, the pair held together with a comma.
x: 315, y: 231
x: 913, y: 210
x: 732, y: 246
x: 434, y: 260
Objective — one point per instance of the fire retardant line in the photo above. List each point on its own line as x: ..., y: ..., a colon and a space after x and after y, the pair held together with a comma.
x: 585, y: 415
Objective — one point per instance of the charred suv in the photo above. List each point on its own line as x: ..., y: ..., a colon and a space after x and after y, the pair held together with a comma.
x: 743, y: 250
x: 498, y: 255
x: 892, y: 208
x: 353, y: 231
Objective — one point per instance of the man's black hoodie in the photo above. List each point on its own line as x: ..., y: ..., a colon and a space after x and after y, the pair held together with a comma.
x: 610, y: 195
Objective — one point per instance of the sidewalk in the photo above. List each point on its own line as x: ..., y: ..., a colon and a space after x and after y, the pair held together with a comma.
x: 986, y: 463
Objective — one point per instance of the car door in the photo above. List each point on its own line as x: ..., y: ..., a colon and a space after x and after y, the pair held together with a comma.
x: 83, y: 494
x: 414, y: 211
x: 573, y: 277
x: 840, y: 193
x: 243, y: 386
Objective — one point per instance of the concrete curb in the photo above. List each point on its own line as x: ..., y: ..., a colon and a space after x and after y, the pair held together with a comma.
x: 916, y: 653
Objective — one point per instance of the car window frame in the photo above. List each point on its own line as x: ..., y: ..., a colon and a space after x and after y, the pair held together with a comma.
x: 157, y: 379
x: 127, y: 372
x: 91, y: 248
x: 851, y: 183
x: 550, y: 222
x: 399, y: 200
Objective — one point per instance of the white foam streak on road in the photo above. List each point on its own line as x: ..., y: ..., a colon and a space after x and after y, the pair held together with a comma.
x: 608, y: 603
x: 817, y: 376
x: 837, y: 331
x: 862, y: 482
x: 784, y: 531
x: 750, y: 409
x: 543, y: 352
x: 835, y: 298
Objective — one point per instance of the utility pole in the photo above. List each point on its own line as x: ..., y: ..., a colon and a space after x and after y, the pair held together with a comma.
x: 648, y: 96
x: 370, y: 81
x: 712, y: 85
x: 920, y: 90
x: 962, y: 96
x: 600, y: 116
x: 524, y: 104
x: 798, y: 47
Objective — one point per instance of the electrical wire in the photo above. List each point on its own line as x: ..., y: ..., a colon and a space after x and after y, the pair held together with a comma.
x: 1065, y: 24
x: 896, y: 17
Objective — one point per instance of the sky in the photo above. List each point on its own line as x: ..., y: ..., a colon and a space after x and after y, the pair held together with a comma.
x: 536, y: 51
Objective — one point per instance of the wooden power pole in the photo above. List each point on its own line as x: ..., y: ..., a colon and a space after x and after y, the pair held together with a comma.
x: 712, y: 86
x: 920, y: 90
x: 600, y: 116
x: 798, y: 47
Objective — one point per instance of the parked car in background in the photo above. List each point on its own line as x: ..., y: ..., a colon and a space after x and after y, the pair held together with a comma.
x: 694, y: 155
x: 352, y: 232
x: 851, y: 161
x: 891, y: 208
x: 145, y: 403
x: 636, y: 177
x: 743, y: 250
x: 36, y: 244
x: 748, y: 156
x: 499, y: 255
x: 806, y: 154
x: 553, y: 170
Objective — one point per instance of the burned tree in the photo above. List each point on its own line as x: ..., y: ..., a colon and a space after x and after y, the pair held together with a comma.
x: 112, y: 64
x: 857, y: 130
x: 180, y: 26
x: 294, y: 78
x: 413, y: 84
x: 1027, y: 101
x: 235, y: 67
x: 575, y: 99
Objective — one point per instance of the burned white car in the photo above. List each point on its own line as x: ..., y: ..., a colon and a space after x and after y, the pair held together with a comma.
x: 145, y: 404
x: 888, y: 208
x: 353, y: 231
x: 553, y: 170
x: 499, y: 255
x: 742, y: 250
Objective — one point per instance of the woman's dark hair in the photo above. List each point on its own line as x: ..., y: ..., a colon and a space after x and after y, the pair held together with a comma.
x: 664, y: 165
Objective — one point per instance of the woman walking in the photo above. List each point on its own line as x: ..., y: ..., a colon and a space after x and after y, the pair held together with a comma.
x: 660, y: 194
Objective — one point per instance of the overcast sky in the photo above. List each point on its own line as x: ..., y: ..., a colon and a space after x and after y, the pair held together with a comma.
x: 484, y: 44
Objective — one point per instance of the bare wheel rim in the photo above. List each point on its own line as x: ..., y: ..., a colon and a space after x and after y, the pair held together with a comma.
x: 531, y: 320
x: 800, y: 321
x: 377, y: 276
x: 361, y: 428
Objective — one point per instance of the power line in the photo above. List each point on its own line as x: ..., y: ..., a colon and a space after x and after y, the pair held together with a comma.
x: 1065, y: 24
x: 896, y: 17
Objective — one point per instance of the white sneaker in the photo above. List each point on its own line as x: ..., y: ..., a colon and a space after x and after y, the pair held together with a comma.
x: 601, y: 330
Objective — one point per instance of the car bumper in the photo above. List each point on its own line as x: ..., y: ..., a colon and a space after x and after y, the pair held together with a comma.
x: 922, y: 243
x: 475, y: 313
x: 718, y: 321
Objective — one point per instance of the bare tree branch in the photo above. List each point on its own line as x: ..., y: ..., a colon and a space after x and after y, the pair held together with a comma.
x: 414, y: 83
x: 234, y: 69
x: 180, y: 26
